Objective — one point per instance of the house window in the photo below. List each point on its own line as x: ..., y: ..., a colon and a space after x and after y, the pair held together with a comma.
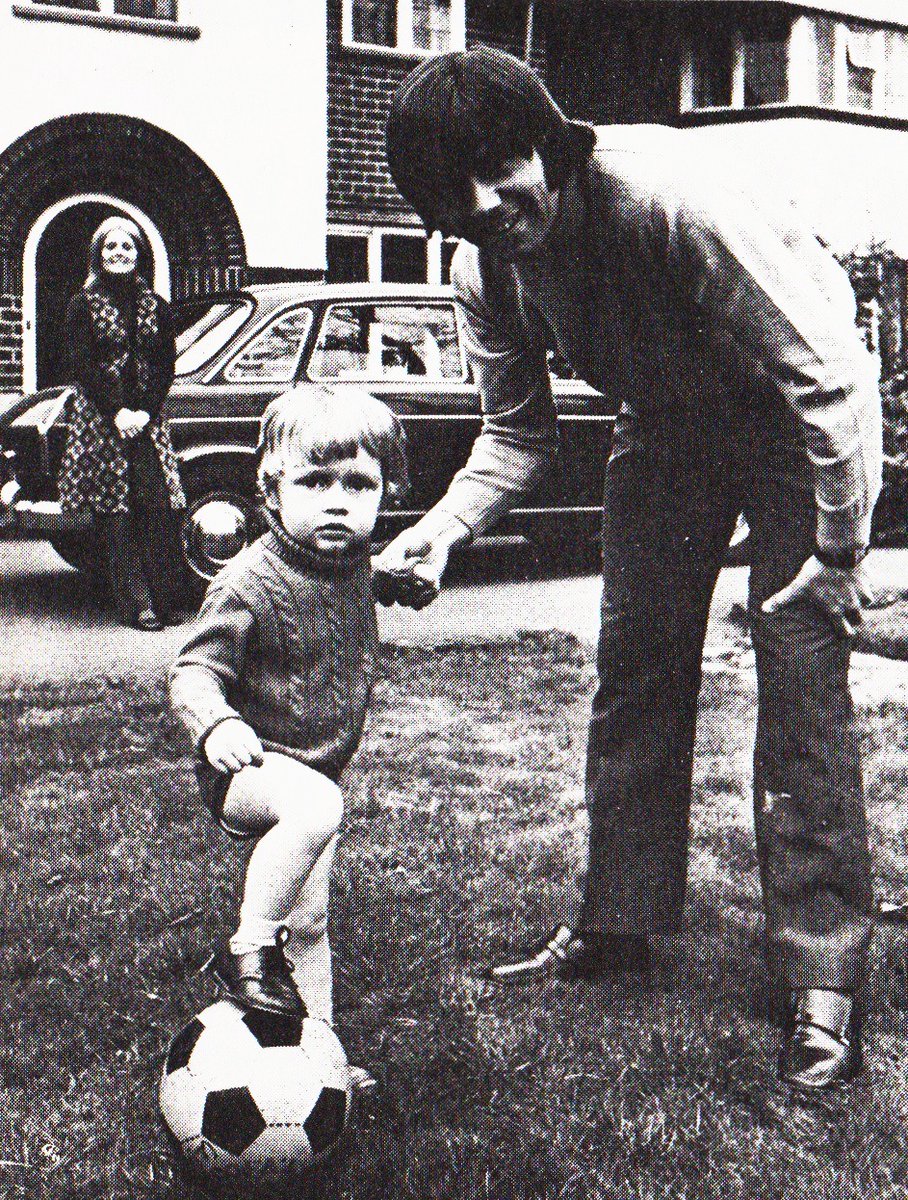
x: 387, y: 255
x: 161, y: 10
x: 860, y: 62
x: 375, y: 22
x: 737, y: 67
x: 897, y: 73
x: 405, y: 26
x: 447, y: 256
x: 348, y: 258
x: 404, y: 259
x: 712, y: 62
x: 765, y: 70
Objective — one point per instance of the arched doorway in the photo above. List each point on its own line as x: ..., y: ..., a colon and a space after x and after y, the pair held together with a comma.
x: 53, y: 269
x: 132, y: 166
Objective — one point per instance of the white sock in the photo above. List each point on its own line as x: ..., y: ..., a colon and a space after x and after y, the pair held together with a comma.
x: 307, y: 946
x: 253, y: 933
x: 312, y: 974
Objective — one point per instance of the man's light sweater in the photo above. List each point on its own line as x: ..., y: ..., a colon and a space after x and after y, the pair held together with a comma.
x: 661, y: 285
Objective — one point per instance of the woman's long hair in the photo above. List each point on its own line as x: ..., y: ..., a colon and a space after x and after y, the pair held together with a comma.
x: 95, y: 270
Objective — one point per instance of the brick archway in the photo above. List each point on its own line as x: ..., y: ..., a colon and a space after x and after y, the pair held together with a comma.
x: 144, y: 166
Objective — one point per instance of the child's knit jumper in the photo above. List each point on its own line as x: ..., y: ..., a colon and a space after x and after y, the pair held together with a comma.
x: 286, y: 639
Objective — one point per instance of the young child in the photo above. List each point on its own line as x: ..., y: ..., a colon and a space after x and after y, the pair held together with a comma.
x: 274, y: 681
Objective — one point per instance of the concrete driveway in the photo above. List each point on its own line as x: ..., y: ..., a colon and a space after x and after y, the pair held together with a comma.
x: 53, y: 629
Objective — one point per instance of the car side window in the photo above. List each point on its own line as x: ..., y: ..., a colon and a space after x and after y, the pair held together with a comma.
x: 273, y: 355
x: 374, y: 342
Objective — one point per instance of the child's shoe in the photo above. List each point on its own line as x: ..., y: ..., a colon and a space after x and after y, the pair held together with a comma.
x: 259, y: 978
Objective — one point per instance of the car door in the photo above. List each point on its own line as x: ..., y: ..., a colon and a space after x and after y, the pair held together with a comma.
x: 408, y: 352
x: 222, y: 406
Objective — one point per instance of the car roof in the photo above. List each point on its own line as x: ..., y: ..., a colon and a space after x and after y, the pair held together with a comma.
x: 270, y: 294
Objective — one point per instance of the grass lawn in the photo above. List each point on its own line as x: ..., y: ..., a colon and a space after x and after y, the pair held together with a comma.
x: 465, y: 828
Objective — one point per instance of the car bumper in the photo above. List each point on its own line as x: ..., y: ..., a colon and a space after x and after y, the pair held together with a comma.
x: 36, y: 518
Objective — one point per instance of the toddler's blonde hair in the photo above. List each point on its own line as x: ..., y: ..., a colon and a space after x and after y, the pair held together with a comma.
x: 319, y: 424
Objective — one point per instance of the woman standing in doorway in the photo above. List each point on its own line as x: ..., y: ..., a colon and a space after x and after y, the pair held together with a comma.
x: 118, y: 463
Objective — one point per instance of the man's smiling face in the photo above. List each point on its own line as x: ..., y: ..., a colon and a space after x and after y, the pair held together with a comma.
x: 508, y: 209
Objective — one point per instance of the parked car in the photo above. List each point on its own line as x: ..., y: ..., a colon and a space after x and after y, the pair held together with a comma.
x: 238, y: 350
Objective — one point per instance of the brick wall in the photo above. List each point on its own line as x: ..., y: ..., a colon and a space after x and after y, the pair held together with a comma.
x: 360, y: 86
x: 10, y: 342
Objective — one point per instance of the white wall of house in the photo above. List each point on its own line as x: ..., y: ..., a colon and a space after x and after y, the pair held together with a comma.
x: 850, y: 180
x: 249, y: 96
x: 848, y: 170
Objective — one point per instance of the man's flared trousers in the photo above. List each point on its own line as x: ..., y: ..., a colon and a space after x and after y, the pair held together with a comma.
x: 674, y: 487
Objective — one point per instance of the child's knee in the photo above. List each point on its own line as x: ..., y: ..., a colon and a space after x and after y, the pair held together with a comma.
x: 314, y: 811
x: 324, y: 802
x: 293, y: 781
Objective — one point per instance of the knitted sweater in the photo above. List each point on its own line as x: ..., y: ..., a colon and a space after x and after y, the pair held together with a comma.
x: 286, y: 639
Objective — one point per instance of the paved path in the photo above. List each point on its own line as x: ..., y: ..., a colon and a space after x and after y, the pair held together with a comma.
x: 52, y: 629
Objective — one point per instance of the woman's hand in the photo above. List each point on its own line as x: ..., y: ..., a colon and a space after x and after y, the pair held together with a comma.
x: 233, y: 745
x: 130, y: 422
x: 841, y: 593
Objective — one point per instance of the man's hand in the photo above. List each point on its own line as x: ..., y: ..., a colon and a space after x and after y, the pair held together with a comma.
x: 841, y: 593
x: 409, y: 570
x: 130, y: 422
x: 233, y: 745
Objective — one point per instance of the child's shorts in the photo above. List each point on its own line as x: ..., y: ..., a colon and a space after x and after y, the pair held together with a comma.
x: 213, y: 787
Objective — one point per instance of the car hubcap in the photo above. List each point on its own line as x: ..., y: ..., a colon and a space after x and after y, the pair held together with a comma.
x: 214, y: 533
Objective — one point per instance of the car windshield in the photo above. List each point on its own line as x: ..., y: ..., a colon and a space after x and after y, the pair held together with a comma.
x: 204, y: 328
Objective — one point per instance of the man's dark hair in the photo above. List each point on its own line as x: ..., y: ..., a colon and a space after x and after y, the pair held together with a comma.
x: 466, y: 113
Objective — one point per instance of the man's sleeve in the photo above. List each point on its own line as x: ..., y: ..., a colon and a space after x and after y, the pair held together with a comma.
x: 209, y: 664
x: 518, y: 437
x: 789, y: 311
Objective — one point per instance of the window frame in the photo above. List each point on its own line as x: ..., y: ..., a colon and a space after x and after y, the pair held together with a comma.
x: 405, y: 44
x: 108, y: 8
x: 739, y: 40
x: 844, y: 30
x: 104, y: 17
x: 262, y: 332
x: 419, y: 382
x: 373, y: 237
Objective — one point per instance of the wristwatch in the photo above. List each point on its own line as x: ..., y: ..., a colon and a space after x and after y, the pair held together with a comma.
x: 844, y: 560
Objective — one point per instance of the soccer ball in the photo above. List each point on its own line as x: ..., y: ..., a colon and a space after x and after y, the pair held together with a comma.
x: 254, y: 1098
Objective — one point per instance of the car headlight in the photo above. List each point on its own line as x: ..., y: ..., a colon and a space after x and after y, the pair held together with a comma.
x: 214, y: 532
x: 9, y: 484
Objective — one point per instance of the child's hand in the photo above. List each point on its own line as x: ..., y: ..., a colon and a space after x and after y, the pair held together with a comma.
x: 410, y: 588
x: 232, y: 745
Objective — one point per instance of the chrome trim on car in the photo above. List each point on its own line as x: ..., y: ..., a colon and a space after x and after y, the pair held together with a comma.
x: 214, y: 532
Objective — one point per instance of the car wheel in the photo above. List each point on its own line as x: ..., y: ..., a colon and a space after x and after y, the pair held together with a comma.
x: 216, y: 527
x: 83, y: 551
